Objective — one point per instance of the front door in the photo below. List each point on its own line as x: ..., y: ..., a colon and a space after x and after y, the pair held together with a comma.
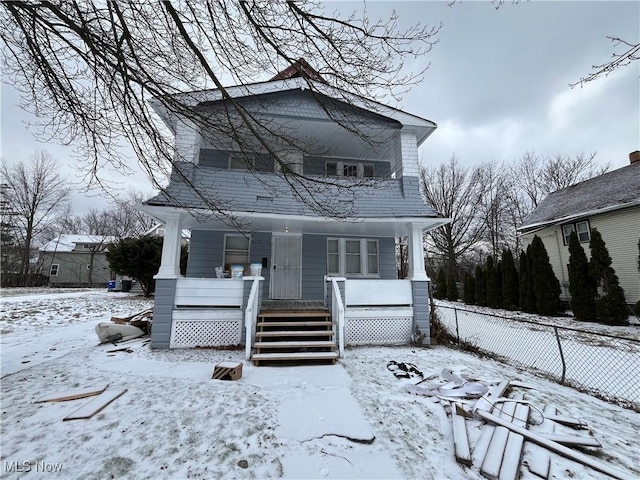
x: 286, y: 269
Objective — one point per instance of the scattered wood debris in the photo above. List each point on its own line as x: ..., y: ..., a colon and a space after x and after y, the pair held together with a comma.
x: 75, y: 394
x: 515, y: 435
x: 95, y: 405
x: 101, y: 398
x: 227, y: 371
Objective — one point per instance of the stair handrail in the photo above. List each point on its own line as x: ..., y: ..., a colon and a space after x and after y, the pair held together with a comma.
x: 250, y: 316
x: 337, y: 313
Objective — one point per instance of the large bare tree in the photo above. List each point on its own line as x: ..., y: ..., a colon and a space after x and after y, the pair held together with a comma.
x: 90, y: 68
x: 456, y: 192
x: 37, y: 195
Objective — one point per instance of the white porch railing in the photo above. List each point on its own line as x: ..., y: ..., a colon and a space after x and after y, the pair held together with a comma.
x: 251, y: 316
x: 337, y: 314
x: 374, y: 312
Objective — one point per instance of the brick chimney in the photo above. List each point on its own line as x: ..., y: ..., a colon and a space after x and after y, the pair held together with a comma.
x: 634, y: 156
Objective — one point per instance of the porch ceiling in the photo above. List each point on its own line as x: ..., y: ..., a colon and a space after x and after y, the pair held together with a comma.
x: 260, y: 222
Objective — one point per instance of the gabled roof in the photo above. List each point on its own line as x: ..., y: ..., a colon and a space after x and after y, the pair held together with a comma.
x: 67, y: 243
x: 608, y: 192
x: 295, y: 81
x: 299, y: 68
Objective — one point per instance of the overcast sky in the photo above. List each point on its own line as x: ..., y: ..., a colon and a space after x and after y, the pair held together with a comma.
x: 497, y: 85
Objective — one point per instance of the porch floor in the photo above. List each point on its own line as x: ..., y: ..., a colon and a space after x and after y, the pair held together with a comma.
x: 294, y: 305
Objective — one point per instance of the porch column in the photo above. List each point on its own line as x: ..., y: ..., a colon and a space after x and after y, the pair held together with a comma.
x: 171, y: 245
x: 417, y: 269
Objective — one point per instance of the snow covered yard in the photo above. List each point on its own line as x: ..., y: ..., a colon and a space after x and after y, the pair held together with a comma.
x: 350, y: 420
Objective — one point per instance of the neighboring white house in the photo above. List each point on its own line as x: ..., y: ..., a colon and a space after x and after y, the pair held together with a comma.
x: 77, y: 261
x: 346, y: 266
x: 609, y: 203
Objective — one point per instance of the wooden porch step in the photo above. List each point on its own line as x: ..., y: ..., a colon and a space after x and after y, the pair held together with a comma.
x: 295, y: 356
x: 294, y: 324
x: 294, y: 344
x: 294, y: 313
x: 296, y: 333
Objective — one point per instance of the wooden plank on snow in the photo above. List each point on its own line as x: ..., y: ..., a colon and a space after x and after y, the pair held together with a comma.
x: 460, y: 437
x: 495, y: 453
x: 573, y: 440
x: 73, y: 394
x: 95, y: 405
x: 554, y: 446
x: 568, y: 421
x: 510, y: 469
x: 488, y: 399
x: 538, y: 458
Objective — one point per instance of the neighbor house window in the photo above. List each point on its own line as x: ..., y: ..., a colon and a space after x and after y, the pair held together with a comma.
x: 344, y: 169
x: 53, y: 272
x: 236, y: 250
x: 352, y: 257
x: 581, y: 228
x: 241, y: 162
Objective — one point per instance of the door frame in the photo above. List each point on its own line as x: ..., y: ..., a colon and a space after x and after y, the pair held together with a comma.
x: 274, y: 237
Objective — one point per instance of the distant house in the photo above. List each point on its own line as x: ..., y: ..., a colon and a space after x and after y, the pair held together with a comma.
x: 76, y: 261
x: 609, y: 203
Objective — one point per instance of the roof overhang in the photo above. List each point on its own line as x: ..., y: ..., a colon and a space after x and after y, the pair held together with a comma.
x: 421, y: 126
x: 537, y: 226
x: 197, y: 219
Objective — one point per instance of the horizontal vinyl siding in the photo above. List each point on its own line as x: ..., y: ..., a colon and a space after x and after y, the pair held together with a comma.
x: 314, y: 266
x: 387, y: 258
x: 205, y: 253
x: 620, y: 232
x: 261, y: 248
x: 73, y: 268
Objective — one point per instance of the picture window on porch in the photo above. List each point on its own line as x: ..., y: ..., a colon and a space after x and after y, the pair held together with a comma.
x: 236, y: 250
x: 352, y: 257
x: 53, y: 272
x: 582, y: 229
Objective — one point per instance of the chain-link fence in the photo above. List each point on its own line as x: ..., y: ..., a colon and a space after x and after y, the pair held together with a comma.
x: 606, y: 366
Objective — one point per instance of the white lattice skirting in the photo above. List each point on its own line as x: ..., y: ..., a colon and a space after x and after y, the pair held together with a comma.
x: 378, y: 331
x: 189, y: 333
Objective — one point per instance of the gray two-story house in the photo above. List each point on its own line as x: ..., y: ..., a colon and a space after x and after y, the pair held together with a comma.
x: 309, y: 221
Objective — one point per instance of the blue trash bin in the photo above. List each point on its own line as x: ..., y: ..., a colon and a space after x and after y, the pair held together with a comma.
x: 111, y: 286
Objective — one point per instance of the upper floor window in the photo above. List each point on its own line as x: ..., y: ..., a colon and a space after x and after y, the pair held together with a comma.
x: 238, y: 161
x: 346, y: 169
x: 352, y: 257
x: 54, y: 270
x: 581, y: 228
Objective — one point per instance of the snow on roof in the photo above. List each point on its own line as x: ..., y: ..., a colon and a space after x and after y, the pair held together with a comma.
x: 67, y: 243
x: 607, y: 192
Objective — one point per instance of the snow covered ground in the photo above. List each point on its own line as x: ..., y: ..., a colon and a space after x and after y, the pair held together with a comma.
x: 597, y: 357
x: 350, y: 420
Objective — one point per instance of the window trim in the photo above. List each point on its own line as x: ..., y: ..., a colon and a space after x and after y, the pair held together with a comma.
x: 364, y: 257
x: 342, y: 164
x: 51, y: 274
x: 574, y: 225
x: 224, y: 249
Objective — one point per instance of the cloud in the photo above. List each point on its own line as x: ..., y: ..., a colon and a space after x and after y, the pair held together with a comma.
x: 565, y: 107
